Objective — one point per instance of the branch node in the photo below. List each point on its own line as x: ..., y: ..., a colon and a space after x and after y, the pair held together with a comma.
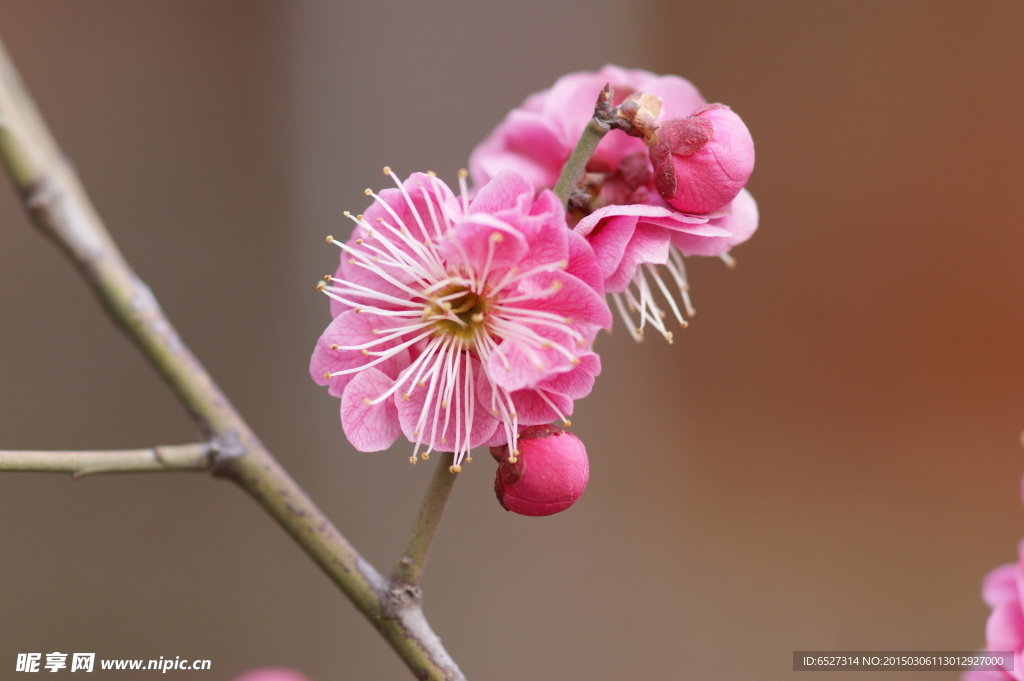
x: 398, y: 598
x: 225, y: 446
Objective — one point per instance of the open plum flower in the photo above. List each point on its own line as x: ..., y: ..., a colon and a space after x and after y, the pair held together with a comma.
x: 632, y: 228
x: 457, y: 322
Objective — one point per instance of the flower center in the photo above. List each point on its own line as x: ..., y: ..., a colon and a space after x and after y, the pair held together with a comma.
x: 457, y: 311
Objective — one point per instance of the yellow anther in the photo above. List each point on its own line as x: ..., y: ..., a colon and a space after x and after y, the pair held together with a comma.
x: 444, y: 405
x: 556, y: 285
x: 463, y: 173
x: 368, y: 192
x: 351, y: 261
x: 478, y: 317
x: 497, y: 236
x: 566, y: 422
x: 405, y: 396
x: 469, y: 459
x: 330, y: 239
x: 387, y: 170
x: 346, y: 213
x: 425, y: 455
x: 366, y: 401
x: 327, y: 277
x: 431, y: 173
x: 575, y: 361
x: 455, y: 469
x: 444, y: 440
x: 366, y: 353
x: 359, y: 242
x: 412, y: 460
x: 334, y: 347
x: 327, y: 374
x: 320, y: 286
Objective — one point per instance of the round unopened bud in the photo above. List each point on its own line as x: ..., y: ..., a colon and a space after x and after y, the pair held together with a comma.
x: 703, y: 161
x: 548, y: 475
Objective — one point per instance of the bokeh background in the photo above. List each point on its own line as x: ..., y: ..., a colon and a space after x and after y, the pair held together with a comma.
x: 828, y: 458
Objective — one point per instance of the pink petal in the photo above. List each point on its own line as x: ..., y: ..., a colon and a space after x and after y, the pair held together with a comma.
x: 524, y: 142
x: 578, y: 382
x: 611, y: 241
x: 1005, y: 627
x: 742, y: 219
x: 649, y: 245
x: 583, y: 263
x: 503, y: 192
x: 369, y: 427
x: 350, y: 329
x: 515, y: 365
x: 423, y: 190
x: 482, y: 238
x: 564, y: 294
x: 533, y: 410
x: 481, y: 428
x: 561, y: 389
x: 1000, y: 586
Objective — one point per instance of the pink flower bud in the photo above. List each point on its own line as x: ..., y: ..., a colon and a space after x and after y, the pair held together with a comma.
x: 702, y: 162
x: 547, y: 475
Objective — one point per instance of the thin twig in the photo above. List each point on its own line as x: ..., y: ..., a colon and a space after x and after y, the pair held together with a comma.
x: 192, y: 457
x: 576, y: 166
x: 60, y: 208
x: 409, y: 570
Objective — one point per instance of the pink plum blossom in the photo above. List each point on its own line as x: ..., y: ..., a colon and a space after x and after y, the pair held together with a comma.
x: 547, y: 476
x: 1003, y: 591
x: 638, y: 228
x: 457, y: 322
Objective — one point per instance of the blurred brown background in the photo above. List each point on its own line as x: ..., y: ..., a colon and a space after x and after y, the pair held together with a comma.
x: 827, y: 458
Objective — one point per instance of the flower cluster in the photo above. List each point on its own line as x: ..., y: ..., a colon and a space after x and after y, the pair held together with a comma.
x: 653, y: 199
x: 466, y: 321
